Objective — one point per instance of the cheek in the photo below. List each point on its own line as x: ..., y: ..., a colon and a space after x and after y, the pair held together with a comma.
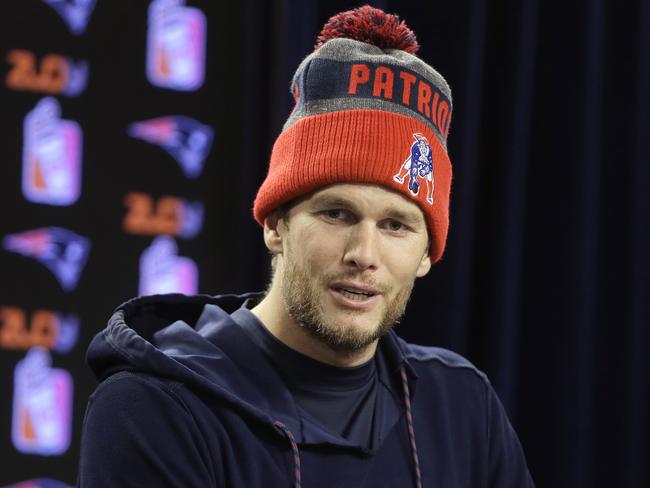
x: 316, y: 251
x: 321, y: 242
x: 404, y: 262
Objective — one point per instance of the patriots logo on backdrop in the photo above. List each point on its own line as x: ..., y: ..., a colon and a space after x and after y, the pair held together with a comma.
x: 60, y: 250
x: 75, y: 13
x: 418, y: 166
x: 187, y: 140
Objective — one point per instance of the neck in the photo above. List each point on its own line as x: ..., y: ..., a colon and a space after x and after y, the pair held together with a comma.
x: 272, y: 312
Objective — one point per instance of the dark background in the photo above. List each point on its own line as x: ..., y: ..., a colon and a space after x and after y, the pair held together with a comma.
x: 545, y: 284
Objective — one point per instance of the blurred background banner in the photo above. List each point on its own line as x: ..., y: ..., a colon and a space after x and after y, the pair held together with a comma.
x: 136, y: 133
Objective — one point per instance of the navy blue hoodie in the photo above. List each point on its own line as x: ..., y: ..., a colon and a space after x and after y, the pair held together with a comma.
x: 186, y: 399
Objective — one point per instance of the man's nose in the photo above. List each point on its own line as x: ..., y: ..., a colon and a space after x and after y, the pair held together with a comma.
x: 362, y: 250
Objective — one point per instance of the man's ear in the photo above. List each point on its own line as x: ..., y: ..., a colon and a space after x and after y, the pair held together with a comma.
x: 424, y: 266
x: 274, y: 232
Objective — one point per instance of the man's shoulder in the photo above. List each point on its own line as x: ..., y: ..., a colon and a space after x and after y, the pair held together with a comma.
x: 137, y: 431
x: 135, y: 384
x: 438, y: 360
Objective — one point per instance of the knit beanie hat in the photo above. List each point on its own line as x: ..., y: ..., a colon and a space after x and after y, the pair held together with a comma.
x: 367, y: 111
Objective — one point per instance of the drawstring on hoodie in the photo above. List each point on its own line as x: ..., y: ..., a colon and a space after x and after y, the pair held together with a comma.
x: 294, y: 448
x: 409, y: 420
x: 411, y: 429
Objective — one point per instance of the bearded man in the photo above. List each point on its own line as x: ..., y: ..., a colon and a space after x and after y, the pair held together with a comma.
x: 307, y: 384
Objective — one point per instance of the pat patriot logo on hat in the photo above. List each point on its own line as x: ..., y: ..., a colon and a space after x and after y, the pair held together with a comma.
x: 419, y: 165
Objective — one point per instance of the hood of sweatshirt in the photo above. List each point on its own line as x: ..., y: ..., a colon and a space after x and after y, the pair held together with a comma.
x: 193, y: 340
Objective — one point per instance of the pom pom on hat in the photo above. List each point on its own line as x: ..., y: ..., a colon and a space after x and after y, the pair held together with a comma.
x: 372, y: 26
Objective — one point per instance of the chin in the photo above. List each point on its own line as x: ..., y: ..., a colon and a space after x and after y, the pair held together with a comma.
x: 341, y: 331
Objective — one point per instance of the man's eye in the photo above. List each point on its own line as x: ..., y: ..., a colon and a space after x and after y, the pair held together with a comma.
x: 395, y: 225
x: 334, y: 213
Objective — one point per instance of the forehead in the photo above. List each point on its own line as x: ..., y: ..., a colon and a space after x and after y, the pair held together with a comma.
x: 366, y: 198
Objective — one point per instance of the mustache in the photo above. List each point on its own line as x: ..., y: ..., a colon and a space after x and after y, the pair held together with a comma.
x: 359, y: 278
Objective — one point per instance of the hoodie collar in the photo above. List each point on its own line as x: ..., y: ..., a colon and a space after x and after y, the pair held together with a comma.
x: 195, y: 341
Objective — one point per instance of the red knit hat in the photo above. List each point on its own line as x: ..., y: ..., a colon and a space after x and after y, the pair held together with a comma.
x: 367, y: 111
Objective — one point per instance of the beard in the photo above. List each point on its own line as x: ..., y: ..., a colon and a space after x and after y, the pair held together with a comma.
x: 303, y: 292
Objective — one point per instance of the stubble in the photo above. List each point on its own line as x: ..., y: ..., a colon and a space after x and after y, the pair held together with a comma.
x: 303, y: 293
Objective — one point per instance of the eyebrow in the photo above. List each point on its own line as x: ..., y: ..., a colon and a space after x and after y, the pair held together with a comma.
x: 332, y: 201
x: 410, y: 218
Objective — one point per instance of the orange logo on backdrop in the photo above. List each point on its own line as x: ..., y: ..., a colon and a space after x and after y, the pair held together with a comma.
x: 54, y: 74
x: 43, y: 330
x: 167, y: 216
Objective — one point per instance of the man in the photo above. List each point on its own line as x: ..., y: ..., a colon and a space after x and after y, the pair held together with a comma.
x: 307, y: 385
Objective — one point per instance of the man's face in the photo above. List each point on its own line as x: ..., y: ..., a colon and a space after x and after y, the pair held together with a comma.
x: 351, y: 253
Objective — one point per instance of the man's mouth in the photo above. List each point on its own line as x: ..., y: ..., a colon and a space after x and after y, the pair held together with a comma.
x: 356, y: 292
